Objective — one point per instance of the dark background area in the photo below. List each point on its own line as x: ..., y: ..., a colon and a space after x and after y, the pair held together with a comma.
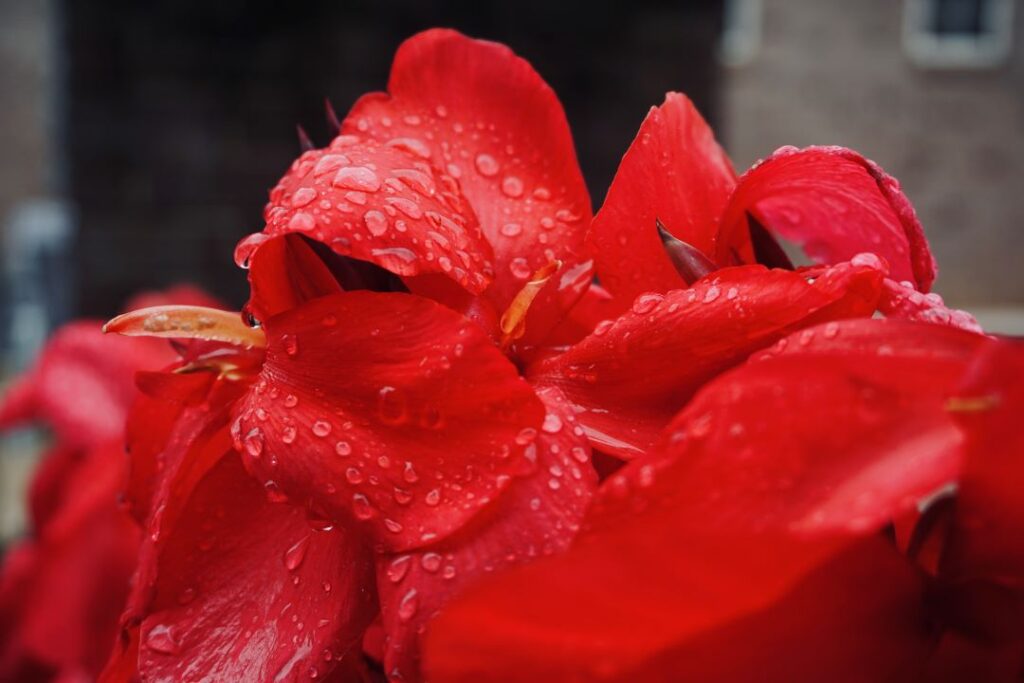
x: 180, y: 115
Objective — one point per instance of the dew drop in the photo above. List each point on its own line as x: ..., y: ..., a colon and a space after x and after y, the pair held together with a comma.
x: 486, y: 165
x: 303, y: 196
x: 431, y: 562
x: 358, y: 178
x: 408, y: 606
x: 376, y: 222
x: 391, y: 405
x: 432, y: 498
x: 343, y: 448
x: 294, y: 556
x: 511, y: 229
x: 162, y: 639
x: 398, y: 568
x: 520, y: 268
x: 552, y: 424
x: 512, y: 186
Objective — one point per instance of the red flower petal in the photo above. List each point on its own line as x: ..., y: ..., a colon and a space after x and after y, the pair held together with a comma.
x: 805, y: 444
x: 764, y: 484
x: 902, y: 300
x: 676, y: 172
x: 388, y: 408
x: 536, y: 516
x: 381, y: 204
x: 283, y: 273
x: 482, y: 115
x: 989, y: 521
x: 630, y: 376
x: 206, y: 619
x: 835, y: 204
x: 98, y: 371
x: 62, y: 592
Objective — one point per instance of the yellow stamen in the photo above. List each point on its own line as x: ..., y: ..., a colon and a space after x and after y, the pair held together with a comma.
x: 971, y: 404
x: 513, y: 321
x: 188, y: 322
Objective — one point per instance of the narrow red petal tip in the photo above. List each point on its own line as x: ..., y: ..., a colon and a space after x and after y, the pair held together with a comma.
x: 689, y: 261
x: 333, y: 124
x: 187, y: 322
x: 305, y: 142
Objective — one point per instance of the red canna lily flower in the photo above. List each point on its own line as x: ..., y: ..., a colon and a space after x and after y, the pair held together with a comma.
x: 402, y: 390
x: 429, y: 370
x: 63, y: 587
x: 776, y: 486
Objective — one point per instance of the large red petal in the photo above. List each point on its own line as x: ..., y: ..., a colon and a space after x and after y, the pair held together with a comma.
x: 246, y: 591
x: 535, y: 517
x: 377, y: 203
x: 482, y: 115
x: 803, y: 444
x: 764, y: 484
x: 835, y: 204
x: 388, y: 408
x: 674, y: 171
x: 630, y: 376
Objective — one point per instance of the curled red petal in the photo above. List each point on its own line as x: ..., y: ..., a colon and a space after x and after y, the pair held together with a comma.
x: 835, y: 204
x: 388, y: 409
x: 674, y: 172
x: 483, y: 116
x: 377, y: 203
x: 284, y: 272
x: 630, y: 376
x: 535, y: 517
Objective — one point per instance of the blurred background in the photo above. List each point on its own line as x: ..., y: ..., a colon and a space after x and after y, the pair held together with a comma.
x: 138, y: 140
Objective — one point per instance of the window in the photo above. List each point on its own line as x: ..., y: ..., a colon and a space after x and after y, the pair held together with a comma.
x: 958, y: 33
x: 741, y: 34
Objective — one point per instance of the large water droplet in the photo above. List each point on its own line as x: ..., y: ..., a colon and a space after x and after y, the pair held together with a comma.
x: 398, y: 568
x: 512, y: 186
x: 356, y: 178
x: 408, y: 606
x: 321, y: 428
x: 162, y: 639
x: 487, y: 165
x: 376, y: 222
x: 303, y: 196
x: 294, y: 556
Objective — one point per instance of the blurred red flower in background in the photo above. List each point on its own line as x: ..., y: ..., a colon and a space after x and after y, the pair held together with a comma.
x: 434, y: 366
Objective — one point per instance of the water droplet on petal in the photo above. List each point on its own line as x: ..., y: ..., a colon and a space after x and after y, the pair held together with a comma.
x: 512, y: 186
x: 486, y: 165
x: 343, y: 448
x: 162, y: 639
x: 376, y: 222
x: 303, y: 196
x: 408, y: 606
x: 431, y: 562
x: 356, y: 178
x: 398, y: 568
x: 321, y: 428
x: 552, y: 424
x: 520, y: 268
x: 294, y: 556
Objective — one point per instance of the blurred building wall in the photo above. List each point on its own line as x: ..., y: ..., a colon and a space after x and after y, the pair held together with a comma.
x: 835, y: 72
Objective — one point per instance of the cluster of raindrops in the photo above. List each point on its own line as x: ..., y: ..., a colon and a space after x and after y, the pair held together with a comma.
x: 382, y: 203
x: 511, y: 182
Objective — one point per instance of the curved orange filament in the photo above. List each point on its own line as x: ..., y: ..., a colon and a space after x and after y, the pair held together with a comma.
x: 513, y: 320
x: 188, y: 322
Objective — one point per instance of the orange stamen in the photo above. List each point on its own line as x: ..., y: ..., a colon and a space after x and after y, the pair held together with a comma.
x: 188, y: 322
x: 513, y: 321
